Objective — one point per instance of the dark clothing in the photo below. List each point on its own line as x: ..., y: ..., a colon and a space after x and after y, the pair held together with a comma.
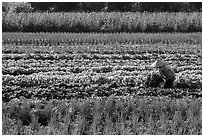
x: 167, y: 73
x: 168, y: 83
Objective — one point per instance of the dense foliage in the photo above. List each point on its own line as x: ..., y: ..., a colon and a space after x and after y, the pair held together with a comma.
x: 107, y: 6
x: 114, y: 115
x: 102, y: 22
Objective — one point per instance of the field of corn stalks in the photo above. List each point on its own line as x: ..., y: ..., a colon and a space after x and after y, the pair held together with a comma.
x: 98, y: 83
x: 110, y: 22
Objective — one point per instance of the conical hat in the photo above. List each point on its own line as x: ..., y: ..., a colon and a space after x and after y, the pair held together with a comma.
x: 158, y: 63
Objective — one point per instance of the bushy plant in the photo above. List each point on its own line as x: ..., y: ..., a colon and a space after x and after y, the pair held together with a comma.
x: 154, y: 79
x: 17, y: 7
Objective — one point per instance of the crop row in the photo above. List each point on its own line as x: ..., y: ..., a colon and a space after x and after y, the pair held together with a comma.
x: 100, y: 69
x: 64, y: 59
x: 88, y: 78
x: 60, y: 92
x: 111, y: 115
x: 100, y: 38
x: 86, y: 84
x: 138, y: 50
x: 18, y: 66
x: 102, y: 22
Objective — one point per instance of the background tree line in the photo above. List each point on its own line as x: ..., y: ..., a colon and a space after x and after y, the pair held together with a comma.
x: 103, y: 6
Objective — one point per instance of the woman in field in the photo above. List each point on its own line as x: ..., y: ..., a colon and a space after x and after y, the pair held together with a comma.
x: 165, y: 71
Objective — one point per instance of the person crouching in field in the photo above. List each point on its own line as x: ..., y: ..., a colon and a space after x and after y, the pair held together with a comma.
x: 165, y: 71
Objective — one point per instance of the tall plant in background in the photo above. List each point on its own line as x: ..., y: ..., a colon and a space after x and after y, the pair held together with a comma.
x: 16, y: 7
x: 103, y: 22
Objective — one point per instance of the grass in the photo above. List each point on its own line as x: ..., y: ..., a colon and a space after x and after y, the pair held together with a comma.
x: 105, y: 116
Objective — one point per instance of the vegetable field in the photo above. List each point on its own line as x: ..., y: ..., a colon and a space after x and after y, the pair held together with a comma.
x: 94, y: 83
